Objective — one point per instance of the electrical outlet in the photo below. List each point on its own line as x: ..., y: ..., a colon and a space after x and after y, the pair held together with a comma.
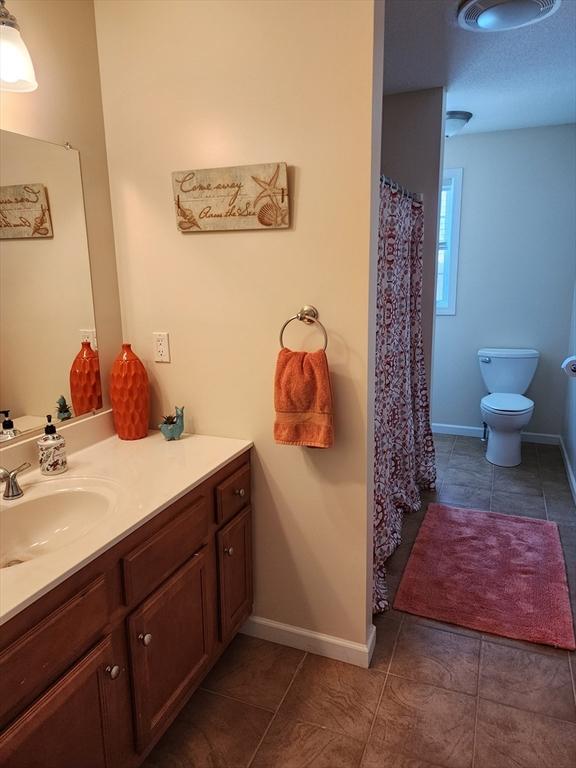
x: 89, y: 334
x: 161, y: 347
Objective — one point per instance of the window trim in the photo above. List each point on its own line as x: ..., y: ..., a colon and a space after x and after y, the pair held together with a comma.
x: 449, y: 307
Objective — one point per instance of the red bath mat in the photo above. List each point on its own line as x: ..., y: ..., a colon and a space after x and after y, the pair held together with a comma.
x: 495, y: 573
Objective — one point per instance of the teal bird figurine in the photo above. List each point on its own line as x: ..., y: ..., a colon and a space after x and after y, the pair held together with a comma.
x: 173, y: 426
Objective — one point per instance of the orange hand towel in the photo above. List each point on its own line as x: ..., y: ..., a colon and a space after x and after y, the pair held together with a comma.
x: 303, y: 399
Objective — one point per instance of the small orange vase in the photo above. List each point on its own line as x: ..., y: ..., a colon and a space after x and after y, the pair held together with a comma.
x: 85, y: 385
x: 129, y: 395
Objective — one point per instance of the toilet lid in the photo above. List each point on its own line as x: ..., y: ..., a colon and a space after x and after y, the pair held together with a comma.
x: 508, y: 402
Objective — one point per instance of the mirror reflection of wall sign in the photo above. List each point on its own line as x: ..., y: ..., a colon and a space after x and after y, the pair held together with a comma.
x: 24, y: 212
x: 241, y: 197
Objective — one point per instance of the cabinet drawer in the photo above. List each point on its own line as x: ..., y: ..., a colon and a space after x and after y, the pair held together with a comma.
x: 160, y: 555
x: 30, y: 664
x: 233, y: 494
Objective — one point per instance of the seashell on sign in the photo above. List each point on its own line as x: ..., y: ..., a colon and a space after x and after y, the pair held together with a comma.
x: 268, y: 215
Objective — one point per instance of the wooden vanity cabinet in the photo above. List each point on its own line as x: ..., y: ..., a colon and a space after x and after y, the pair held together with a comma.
x: 160, y: 608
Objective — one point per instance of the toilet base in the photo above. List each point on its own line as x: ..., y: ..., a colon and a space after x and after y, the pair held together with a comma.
x: 504, y: 448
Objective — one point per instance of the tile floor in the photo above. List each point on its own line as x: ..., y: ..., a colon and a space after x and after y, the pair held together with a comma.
x: 436, y: 696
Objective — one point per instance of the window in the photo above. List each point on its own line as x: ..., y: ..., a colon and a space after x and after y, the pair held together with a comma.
x: 448, y: 241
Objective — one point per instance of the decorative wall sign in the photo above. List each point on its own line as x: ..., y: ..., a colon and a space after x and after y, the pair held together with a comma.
x: 242, y: 197
x: 24, y: 212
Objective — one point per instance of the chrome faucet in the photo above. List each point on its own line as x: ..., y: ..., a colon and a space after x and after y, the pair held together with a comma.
x: 12, y: 489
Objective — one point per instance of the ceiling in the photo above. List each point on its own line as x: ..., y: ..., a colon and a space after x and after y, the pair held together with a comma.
x: 516, y: 79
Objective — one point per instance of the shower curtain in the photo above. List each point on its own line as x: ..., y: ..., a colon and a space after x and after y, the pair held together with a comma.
x: 404, y: 450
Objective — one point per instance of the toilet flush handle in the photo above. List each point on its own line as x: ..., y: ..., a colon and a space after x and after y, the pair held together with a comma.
x: 485, y: 359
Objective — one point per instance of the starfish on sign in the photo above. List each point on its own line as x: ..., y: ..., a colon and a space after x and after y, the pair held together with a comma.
x: 269, y: 188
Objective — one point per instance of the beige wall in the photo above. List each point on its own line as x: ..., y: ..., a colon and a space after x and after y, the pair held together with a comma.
x: 516, y: 268
x: 67, y: 106
x: 39, y: 337
x: 199, y: 85
x: 412, y: 141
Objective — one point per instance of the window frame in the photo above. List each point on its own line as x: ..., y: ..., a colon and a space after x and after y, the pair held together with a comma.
x: 448, y: 306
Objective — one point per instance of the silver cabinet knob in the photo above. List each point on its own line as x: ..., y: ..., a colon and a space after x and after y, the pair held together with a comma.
x: 240, y: 492
x: 229, y: 551
x: 113, y: 671
x: 145, y: 639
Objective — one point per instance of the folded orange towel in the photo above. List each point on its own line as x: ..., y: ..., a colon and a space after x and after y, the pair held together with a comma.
x: 303, y: 399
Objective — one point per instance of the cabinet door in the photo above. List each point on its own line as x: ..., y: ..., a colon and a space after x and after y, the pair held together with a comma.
x: 82, y: 720
x: 170, y: 642
x: 235, y: 572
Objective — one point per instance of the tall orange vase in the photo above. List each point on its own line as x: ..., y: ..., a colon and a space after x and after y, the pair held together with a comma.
x: 85, y: 385
x: 129, y: 395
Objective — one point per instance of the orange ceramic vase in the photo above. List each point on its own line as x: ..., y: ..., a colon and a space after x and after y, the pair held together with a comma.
x: 85, y: 386
x: 129, y: 395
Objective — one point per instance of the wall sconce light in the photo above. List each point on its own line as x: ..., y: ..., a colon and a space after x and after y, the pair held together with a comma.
x: 16, y: 68
x: 455, y: 121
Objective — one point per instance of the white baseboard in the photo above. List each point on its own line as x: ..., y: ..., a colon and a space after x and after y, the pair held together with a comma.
x: 465, y: 431
x: 457, y: 429
x: 569, y: 468
x: 314, y: 642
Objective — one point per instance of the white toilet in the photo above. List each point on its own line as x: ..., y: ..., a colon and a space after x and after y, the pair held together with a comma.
x: 507, y: 374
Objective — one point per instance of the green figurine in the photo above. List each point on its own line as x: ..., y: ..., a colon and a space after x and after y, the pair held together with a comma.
x: 64, y: 411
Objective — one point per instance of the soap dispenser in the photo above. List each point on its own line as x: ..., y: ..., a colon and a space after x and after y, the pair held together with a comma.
x: 52, y: 450
x: 8, y: 429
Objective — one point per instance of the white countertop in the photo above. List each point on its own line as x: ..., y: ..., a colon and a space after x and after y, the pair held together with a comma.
x: 145, y: 476
x: 26, y: 422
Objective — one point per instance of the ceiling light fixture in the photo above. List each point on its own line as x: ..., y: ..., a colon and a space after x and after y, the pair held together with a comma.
x: 16, y: 68
x: 501, y: 15
x: 455, y: 121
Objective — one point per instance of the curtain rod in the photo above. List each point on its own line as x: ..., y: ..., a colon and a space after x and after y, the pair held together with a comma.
x: 417, y: 197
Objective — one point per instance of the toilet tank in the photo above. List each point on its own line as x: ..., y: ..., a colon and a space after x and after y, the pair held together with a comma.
x: 507, y: 370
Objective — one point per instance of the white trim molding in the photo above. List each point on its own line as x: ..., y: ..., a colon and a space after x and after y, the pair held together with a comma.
x: 332, y: 647
x: 456, y: 429
x: 465, y: 431
x: 454, y: 176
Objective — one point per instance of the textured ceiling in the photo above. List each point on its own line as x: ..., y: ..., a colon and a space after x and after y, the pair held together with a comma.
x: 515, y: 79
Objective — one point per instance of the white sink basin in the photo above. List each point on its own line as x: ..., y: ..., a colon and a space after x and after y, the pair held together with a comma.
x: 52, y: 514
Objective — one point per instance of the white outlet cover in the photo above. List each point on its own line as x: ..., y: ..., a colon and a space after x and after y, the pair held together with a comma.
x: 89, y: 334
x: 161, y: 347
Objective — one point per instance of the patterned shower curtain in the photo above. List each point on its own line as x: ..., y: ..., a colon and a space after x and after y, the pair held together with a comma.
x: 404, y: 450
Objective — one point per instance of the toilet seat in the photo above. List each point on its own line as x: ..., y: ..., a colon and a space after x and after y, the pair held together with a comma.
x: 507, y: 402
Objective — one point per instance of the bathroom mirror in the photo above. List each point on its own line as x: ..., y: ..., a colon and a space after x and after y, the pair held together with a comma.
x: 46, y: 305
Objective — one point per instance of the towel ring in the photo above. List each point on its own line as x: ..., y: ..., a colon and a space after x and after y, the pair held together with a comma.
x: 308, y: 315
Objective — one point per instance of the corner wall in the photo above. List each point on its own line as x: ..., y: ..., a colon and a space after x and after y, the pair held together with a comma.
x: 67, y: 106
x: 230, y: 84
x: 569, y: 426
x: 412, y: 142
x: 516, y: 268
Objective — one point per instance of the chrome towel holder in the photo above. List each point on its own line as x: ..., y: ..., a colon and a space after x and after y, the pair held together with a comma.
x: 309, y: 315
